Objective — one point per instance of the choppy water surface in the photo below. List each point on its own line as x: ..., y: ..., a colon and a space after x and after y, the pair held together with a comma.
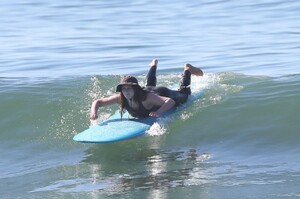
x: 238, y: 139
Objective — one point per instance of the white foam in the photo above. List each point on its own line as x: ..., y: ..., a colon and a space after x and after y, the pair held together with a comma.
x: 156, y: 129
x: 185, y: 115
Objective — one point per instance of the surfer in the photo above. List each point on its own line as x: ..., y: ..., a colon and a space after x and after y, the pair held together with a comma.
x: 150, y: 101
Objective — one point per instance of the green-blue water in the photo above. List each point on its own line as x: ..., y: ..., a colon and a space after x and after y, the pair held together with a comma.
x: 239, y: 140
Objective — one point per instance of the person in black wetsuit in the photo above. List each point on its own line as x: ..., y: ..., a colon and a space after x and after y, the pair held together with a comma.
x: 151, y: 101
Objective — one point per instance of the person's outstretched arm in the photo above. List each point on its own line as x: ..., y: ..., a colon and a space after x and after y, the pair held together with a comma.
x: 105, y: 101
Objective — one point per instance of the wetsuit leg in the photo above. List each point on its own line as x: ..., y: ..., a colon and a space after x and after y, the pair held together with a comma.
x: 185, y: 83
x: 178, y: 97
x: 151, y: 77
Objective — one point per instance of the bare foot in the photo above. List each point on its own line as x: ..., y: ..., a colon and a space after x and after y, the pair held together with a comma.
x: 193, y: 70
x: 154, y: 62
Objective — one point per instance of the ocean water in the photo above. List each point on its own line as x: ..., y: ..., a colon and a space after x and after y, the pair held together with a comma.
x: 240, y: 139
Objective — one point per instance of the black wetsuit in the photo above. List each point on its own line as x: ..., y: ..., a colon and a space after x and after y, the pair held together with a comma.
x: 180, y: 96
x: 142, y: 112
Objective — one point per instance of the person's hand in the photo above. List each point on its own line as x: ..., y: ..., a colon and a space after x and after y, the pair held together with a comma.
x: 93, y: 116
x: 154, y: 114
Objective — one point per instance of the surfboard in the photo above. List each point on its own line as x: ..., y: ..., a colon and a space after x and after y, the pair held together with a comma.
x: 116, y: 129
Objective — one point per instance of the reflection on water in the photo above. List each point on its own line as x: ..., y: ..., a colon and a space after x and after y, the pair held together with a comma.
x: 152, y: 171
x: 149, y: 169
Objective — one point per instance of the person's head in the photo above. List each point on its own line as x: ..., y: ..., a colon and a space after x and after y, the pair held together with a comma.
x: 129, y: 88
x: 128, y: 91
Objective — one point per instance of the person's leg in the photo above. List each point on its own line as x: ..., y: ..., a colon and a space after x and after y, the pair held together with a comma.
x: 186, y: 78
x: 177, y: 96
x: 194, y: 70
x: 151, y: 76
x: 185, y: 82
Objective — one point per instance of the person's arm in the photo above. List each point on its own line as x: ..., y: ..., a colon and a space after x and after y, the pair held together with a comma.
x: 105, y: 101
x: 165, y: 104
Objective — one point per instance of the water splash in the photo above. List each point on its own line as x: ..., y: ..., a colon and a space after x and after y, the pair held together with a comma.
x: 155, y: 130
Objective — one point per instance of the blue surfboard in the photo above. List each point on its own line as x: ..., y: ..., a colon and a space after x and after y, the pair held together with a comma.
x: 116, y: 129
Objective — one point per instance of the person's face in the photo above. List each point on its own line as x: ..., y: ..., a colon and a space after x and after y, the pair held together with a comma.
x: 128, y: 91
